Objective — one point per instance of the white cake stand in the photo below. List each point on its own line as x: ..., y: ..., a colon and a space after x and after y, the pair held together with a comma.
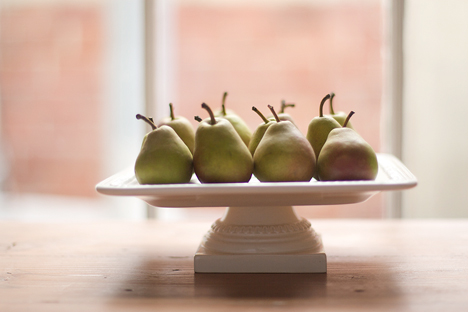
x: 260, y: 231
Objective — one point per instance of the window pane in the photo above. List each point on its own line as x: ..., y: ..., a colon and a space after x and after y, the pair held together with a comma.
x: 263, y: 52
x: 65, y: 69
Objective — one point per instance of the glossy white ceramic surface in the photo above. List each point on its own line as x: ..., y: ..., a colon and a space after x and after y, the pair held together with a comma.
x: 393, y: 175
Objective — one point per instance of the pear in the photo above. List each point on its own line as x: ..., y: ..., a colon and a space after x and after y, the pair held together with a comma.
x: 319, y: 128
x: 283, y: 154
x: 281, y: 114
x: 223, y: 111
x: 346, y: 156
x: 163, y: 158
x: 285, y: 116
x: 220, y: 154
x: 182, y: 127
x: 238, y: 123
x: 338, y: 116
x: 257, y: 135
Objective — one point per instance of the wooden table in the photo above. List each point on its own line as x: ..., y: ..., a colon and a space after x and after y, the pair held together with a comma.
x: 373, y: 265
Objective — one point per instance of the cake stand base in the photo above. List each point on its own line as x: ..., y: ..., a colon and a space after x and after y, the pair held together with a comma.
x: 297, y: 263
x: 261, y: 240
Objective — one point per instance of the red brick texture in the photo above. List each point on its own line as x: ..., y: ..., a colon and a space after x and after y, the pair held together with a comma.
x: 263, y: 55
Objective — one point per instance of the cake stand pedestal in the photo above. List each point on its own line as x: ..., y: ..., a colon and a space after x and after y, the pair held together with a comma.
x: 260, y: 232
x: 261, y: 240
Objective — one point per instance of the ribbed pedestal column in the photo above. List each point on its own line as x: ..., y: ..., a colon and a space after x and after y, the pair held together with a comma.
x: 260, y: 240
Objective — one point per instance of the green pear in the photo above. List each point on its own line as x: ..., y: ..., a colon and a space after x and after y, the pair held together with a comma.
x: 338, y: 116
x: 220, y: 154
x: 182, y: 127
x: 283, y: 154
x: 285, y: 116
x: 257, y: 135
x: 319, y: 128
x: 281, y: 114
x: 163, y: 158
x: 346, y: 156
x: 239, y: 124
x: 223, y: 111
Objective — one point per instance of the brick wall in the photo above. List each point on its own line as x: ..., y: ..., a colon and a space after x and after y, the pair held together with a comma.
x: 299, y: 53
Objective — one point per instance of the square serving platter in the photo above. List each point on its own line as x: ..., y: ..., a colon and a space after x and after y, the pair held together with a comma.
x: 392, y: 176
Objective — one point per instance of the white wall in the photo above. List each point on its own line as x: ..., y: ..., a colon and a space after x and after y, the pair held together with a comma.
x: 435, y: 104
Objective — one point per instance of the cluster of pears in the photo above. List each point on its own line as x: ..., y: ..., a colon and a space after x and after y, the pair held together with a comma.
x: 224, y: 150
x: 341, y: 153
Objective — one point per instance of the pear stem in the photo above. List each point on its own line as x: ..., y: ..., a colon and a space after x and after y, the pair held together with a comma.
x: 147, y: 120
x: 274, y: 113
x: 171, y: 111
x: 332, y: 95
x: 197, y: 118
x: 322, y: 103
x: 223, y: 108
x: 260, y: 114
x: 351, y: 113
x: 210, y: 112
x: 284, y: 105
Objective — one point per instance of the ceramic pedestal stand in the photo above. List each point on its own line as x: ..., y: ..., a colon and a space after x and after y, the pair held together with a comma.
x: 271, y: 239
x: 260, y: 232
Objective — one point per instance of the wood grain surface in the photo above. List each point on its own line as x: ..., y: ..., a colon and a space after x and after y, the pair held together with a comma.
x: 373, y: 265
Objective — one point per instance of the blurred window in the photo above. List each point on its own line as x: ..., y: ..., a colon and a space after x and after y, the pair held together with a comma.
x: 70, y: 83
x: 263, y: 52
x: 72, y: 80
